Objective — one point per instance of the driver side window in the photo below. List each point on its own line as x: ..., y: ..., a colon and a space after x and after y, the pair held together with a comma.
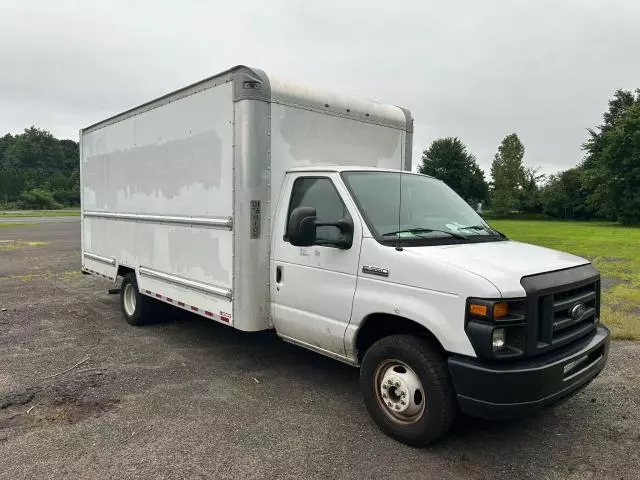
x: 321, y: 194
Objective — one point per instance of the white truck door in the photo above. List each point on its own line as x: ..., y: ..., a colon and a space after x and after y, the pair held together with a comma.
x: 312, y: 288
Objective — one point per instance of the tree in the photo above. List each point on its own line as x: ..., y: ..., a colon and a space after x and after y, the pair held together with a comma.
x: 529, y: 194
x: 564, y: 195
x: 507, y: 172
x: 35, y: 162
x: 612, y: 163
x: 448, y: 160
x: 35, y: 149
x: 4, y: 143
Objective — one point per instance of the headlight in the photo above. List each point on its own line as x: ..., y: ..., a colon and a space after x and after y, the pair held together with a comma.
x: 498, y: 339
x: 496, y: 328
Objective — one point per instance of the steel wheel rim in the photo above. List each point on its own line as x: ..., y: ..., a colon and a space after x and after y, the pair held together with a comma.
x: 399, y: 392
x: 129, y: 300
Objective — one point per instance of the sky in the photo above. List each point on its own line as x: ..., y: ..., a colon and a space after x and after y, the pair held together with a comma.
x: 478, y: 70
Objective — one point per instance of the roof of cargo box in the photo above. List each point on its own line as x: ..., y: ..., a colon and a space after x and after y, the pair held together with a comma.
x: 341, y: 169
x: 253, y: 83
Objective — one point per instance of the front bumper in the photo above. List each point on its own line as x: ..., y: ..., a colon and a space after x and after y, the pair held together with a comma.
x: 514, y: 389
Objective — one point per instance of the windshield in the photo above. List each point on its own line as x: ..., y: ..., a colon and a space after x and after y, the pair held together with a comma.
x: 431, y: 211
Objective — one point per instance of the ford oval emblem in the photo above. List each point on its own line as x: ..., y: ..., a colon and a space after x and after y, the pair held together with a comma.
x: 577, y: 311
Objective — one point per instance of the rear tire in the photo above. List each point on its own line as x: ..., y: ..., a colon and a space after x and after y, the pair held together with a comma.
x: 137, y: 309
x: 407, y: 389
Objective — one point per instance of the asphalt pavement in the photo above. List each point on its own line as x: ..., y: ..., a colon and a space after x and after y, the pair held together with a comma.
x: 84, y: 395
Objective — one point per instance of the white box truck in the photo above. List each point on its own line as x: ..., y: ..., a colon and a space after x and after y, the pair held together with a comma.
x: 264, y: 205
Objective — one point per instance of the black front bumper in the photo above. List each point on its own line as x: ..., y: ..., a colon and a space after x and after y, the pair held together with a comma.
x: 499, y: 390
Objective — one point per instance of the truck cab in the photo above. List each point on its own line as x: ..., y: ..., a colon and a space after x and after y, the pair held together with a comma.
x: 393, y: 272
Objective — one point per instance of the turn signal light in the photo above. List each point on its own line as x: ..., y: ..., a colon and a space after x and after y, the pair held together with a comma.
x: 500, y: 310
x: 476, y: 309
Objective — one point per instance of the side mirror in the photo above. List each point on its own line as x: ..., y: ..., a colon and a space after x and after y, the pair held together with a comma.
x: 301, y: 228
x: 345, y: 225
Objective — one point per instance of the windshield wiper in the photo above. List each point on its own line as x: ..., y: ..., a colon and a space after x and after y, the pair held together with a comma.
x: 417, y: 231
x: 484, y: 228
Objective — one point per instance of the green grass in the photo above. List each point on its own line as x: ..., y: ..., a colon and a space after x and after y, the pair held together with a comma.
x: 613, y: 249
x: 17, y: 224
x: 41, y: 213
x: 10, y: 245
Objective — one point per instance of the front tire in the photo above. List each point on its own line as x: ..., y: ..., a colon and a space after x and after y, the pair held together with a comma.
x: 407, y: 389
x: 137, y: 309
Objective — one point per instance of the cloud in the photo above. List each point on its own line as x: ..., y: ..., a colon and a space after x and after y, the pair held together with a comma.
x: 476, y: 70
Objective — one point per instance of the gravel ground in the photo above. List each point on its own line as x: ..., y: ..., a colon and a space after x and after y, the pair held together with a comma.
x: 192, y: 399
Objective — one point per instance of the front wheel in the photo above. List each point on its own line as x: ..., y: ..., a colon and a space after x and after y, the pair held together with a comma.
x: 407, y: 389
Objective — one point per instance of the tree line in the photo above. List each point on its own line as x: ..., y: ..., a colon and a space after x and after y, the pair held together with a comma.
x: 38, y: 171
x: 604, y: 184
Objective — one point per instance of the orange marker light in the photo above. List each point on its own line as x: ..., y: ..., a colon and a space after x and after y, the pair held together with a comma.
x: 476, y: 309
x: 500, y: 310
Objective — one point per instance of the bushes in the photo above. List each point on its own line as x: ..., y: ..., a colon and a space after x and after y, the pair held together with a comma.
x: 38, y: 199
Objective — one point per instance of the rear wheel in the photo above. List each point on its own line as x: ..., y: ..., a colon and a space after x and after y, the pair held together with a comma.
x: 407, y: 390
x: 137, y: 309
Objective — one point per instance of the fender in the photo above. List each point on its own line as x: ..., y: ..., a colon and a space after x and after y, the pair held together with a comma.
x: 442, y: 314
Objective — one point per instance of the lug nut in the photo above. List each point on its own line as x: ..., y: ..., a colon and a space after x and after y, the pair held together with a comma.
x: 390, y: 404
x: 384, y: 386
x: 402, y: 402
x: 390, y: 382
x: 397, y: 384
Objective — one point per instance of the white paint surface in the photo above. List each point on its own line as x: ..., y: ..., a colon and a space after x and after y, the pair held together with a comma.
x: 312, y: 303
x: 174, y: 159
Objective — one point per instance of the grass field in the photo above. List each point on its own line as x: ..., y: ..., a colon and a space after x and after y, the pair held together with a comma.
x: 17, y: 224
x: 613, y: 249
x: 41, y: 213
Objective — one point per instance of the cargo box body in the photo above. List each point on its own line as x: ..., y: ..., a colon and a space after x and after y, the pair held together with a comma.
x: 182, y: 190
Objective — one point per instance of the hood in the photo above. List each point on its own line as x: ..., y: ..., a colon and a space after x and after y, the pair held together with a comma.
x: 502, y: 263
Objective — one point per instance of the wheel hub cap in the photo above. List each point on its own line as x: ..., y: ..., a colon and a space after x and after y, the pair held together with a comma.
x: 400, y: 392
x: 129, y: 299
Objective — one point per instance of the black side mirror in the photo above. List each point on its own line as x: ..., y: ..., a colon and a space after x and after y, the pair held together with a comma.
x: 301, y: 228
x: 345, y: 225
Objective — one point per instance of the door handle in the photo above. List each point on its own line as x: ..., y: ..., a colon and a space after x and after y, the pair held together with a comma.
x: 279, y: 275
